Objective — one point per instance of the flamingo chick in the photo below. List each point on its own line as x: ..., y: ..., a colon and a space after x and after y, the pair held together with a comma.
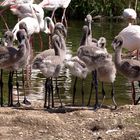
x: 13, y: 59
x: 49, y: 61
x: 106, y: 73
x: 129, y: 68
x: 50, y: 67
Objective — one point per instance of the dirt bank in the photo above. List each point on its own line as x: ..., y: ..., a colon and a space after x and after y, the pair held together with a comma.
x: 69, y: 123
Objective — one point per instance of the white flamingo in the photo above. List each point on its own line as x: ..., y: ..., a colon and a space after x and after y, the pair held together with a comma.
x: 131, y: 38
x: 27, y: 10
x: 11, y: 2
x: 53, y: 5
x: 130, y: 15
x: 35, y: 25
x: 8, y: 3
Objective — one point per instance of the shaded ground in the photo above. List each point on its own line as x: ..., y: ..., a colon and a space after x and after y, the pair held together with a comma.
x: 69, y: 123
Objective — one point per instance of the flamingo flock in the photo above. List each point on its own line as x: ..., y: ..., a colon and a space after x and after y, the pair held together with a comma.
x: 92, y: 55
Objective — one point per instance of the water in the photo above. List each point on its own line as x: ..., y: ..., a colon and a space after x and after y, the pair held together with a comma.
x: 35, y: 91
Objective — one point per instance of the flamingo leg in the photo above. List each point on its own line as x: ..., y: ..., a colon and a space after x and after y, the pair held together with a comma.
x: 112, y: 96
x: 63, y: 19
x: 74, y: 90
x: 57, y: 91
x: 92, y: 84
x: 96, y: 105
x: 82, y: 91
x: 103, y: 93
x: 10, y: 87
x: 133, y: 93
x: 6, y: 25
x: 25, y: 101
x: 1, y: 88
x: 54, y: 18
x: 49, y: 92
x: 52, y: 92
x: 137, y: 101
x: 46, y: 92
x: 53, y: 14
x: 17, y: 85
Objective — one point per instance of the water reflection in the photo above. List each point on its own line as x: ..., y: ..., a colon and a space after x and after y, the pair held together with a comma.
x: 66, y: 80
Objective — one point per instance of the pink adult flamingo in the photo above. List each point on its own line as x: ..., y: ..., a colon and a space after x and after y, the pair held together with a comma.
x: 130, y: 15
x: 36, y: 26
x: 11, y: 2
x: 53, y: 5
x: 8, y: 3
x: 27, y: 10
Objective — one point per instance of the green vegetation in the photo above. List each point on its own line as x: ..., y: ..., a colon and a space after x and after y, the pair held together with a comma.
x: 79, y: 8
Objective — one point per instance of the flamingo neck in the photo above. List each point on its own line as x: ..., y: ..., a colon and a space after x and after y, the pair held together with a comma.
x: 118, y: 58
x: 47, y: 27
x: 84, y: 40
x: 56, y: 49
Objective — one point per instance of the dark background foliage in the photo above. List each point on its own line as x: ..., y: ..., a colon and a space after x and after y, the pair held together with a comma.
x: 106, y: 8
x: 79, y: 8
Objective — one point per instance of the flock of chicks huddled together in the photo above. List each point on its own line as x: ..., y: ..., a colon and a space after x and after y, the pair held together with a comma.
x: 92, y: 56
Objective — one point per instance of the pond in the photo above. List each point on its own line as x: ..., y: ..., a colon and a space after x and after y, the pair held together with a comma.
x: 35, y: 91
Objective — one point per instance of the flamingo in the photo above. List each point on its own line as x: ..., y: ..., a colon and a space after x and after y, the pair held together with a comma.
x: 27, y: 10
x: 130, y: 34
x: 92, y: 42
x: 62, y: 32
x: 8, y: 3
x: 6, y: 41
x: 36, y: 26
x: 49, y: 61
x: 53, y: 5
x: 129, y: 68
x: 88, y: 21
x: 131, y: 37
x: 107, y: 72
x: 77, y: 67
x: 11, y: 2
x: 13, y: 59
x: 130, y: 15
x: 94, y: 57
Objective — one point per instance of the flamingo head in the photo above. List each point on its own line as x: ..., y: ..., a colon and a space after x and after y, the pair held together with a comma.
x: 21, y: 36
x: 49, y: 25
x: 61, y: 28
x: 117, y: 42
x: 88, y: 18
x: 37, y: 62
x: 8, y: 38
x: 102, y: 42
